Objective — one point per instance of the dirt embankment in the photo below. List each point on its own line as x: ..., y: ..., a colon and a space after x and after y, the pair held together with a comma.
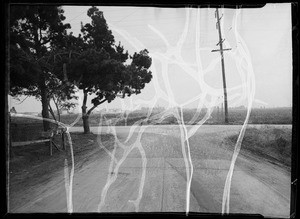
x: 273, y: 145
x: 32, y: 165
x: 36, y: 156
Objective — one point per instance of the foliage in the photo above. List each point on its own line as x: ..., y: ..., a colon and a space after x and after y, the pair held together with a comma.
x: 36, y: 31
x: 48, y: 63
x: 97, y: 66
x: 32, y: 30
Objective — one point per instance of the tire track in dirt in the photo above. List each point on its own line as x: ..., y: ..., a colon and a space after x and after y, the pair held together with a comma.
x: 204, y: 199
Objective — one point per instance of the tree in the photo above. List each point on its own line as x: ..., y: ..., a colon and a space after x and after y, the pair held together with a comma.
x: 61, y: 94
x: 34, y: 30
x: 98, y: 67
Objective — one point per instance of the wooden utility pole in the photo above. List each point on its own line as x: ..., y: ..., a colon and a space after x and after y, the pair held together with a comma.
x: 222, y: 62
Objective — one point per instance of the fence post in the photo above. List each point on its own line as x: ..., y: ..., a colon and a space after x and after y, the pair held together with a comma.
x: 50, y: 147
x: 63, y: 139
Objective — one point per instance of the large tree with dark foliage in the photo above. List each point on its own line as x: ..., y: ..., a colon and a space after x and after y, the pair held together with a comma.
x: 98, y: 66
x: 34, y: 31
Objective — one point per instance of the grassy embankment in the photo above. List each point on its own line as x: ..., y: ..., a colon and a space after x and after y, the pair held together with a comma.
x: 272, y: 144
x: 37, y: 157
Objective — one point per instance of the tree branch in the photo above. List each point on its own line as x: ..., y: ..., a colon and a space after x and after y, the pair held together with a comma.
x: 23, y: 100
x: 40, y: 40
x: 90, y: 110
x: 57, y: 108
x: 45, y: 42
x: 51, y: 111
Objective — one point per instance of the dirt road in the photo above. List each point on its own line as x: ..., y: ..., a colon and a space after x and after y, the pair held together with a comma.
x: 257, y: 186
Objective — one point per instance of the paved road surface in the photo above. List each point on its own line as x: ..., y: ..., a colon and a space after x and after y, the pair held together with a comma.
x: 257, y: 187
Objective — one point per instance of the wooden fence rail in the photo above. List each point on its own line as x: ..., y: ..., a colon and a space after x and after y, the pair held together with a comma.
x: 32, y: 133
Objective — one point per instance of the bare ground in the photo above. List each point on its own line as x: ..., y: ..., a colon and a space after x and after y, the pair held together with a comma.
x: 37, y: 183
x: 32, y: 166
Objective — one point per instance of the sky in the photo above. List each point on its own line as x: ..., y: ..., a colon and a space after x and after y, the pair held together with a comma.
x: 185, y: 71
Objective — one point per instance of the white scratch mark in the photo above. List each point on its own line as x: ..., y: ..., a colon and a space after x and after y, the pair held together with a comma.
x: 244, y: 58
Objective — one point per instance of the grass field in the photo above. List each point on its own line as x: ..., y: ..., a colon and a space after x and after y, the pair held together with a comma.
x: 236, y: 116
x: 257, y: 116
x: 271, y: 143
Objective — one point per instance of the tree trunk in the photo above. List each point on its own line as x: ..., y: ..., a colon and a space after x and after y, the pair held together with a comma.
x: 51, y: 112
x: 45, y: 113
x: 85, y: 116
x: 42, y: 83
x: 45, y: 103
x: 86, y: 124
x: 57, y: 109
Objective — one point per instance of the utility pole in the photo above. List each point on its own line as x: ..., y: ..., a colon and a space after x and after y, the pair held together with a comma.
x: 222, y: 62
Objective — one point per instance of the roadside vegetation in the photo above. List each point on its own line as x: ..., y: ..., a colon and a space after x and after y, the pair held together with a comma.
x: 272, y: 144
x: 35, y: 158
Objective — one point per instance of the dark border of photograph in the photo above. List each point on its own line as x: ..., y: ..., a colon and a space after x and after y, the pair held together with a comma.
x: 175, y: 3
